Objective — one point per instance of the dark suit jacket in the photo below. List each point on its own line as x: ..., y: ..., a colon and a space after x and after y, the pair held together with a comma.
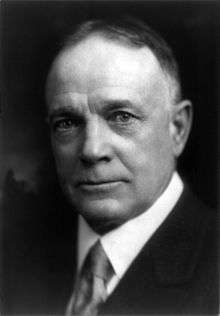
x: 176, y: 273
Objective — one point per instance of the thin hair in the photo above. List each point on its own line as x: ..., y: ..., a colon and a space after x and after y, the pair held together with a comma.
x: 132, y: 32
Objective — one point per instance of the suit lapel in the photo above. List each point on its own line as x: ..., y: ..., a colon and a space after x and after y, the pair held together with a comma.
x: 166, y: 263
x: 177, y: 244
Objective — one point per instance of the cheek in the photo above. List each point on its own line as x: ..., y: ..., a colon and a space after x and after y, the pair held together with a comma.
x: 148, y: 151
x: 65, y: 158
x: 160, y: 144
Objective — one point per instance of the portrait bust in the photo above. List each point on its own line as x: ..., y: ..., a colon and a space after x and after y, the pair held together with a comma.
x: 118, y: 118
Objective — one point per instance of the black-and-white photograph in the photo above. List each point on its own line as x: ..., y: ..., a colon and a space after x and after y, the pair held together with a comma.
x: 109, y: 157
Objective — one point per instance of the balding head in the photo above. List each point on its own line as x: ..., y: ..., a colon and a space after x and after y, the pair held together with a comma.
x: 132, y: 33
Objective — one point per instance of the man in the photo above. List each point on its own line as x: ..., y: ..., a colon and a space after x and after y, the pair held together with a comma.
x: 118, y: 124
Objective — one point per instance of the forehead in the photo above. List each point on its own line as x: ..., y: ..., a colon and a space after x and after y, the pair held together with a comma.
x: 97, y: 63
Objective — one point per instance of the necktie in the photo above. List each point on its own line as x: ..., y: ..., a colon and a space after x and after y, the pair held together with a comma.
x: 90, y: 291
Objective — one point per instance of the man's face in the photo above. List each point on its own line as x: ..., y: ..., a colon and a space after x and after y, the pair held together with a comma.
x: 108, y: 108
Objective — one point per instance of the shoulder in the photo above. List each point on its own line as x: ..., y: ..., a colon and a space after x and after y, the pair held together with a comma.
x: 38, y: 247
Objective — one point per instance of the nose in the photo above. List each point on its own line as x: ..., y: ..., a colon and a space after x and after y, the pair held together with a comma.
x: 96, y: 145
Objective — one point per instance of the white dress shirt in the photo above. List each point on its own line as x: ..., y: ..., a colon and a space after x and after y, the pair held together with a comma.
x: 125, y: 242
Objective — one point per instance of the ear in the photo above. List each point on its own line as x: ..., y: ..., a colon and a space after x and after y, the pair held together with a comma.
x: 180, y: 125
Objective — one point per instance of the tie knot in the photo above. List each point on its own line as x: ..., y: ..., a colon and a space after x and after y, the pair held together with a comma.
x: 98, y: 263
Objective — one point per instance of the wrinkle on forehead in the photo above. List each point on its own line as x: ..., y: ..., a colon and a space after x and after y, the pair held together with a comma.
x: 97, y: 102
x: 98, y: 63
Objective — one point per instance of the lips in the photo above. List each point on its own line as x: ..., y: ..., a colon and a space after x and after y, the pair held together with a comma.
x: 99, y: 185
x: 96, y: 182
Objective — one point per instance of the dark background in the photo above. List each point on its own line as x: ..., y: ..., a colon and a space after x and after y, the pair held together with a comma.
x: 30, y: 33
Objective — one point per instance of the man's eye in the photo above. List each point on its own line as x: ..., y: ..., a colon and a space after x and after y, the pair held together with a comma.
x: 121, y: 117
x: 65, y: 124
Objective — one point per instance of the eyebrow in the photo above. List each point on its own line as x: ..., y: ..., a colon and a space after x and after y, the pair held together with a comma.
x: 114, y: 104
x: 61, y: 111
x: 107, y: 105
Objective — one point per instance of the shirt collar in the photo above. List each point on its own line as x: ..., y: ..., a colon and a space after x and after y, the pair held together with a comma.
x: 135, y: 232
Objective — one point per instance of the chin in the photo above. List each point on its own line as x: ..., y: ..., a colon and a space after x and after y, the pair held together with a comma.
x: 103, y: 215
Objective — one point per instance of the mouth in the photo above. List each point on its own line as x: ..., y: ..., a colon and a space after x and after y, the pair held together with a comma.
x: 99, y: 186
